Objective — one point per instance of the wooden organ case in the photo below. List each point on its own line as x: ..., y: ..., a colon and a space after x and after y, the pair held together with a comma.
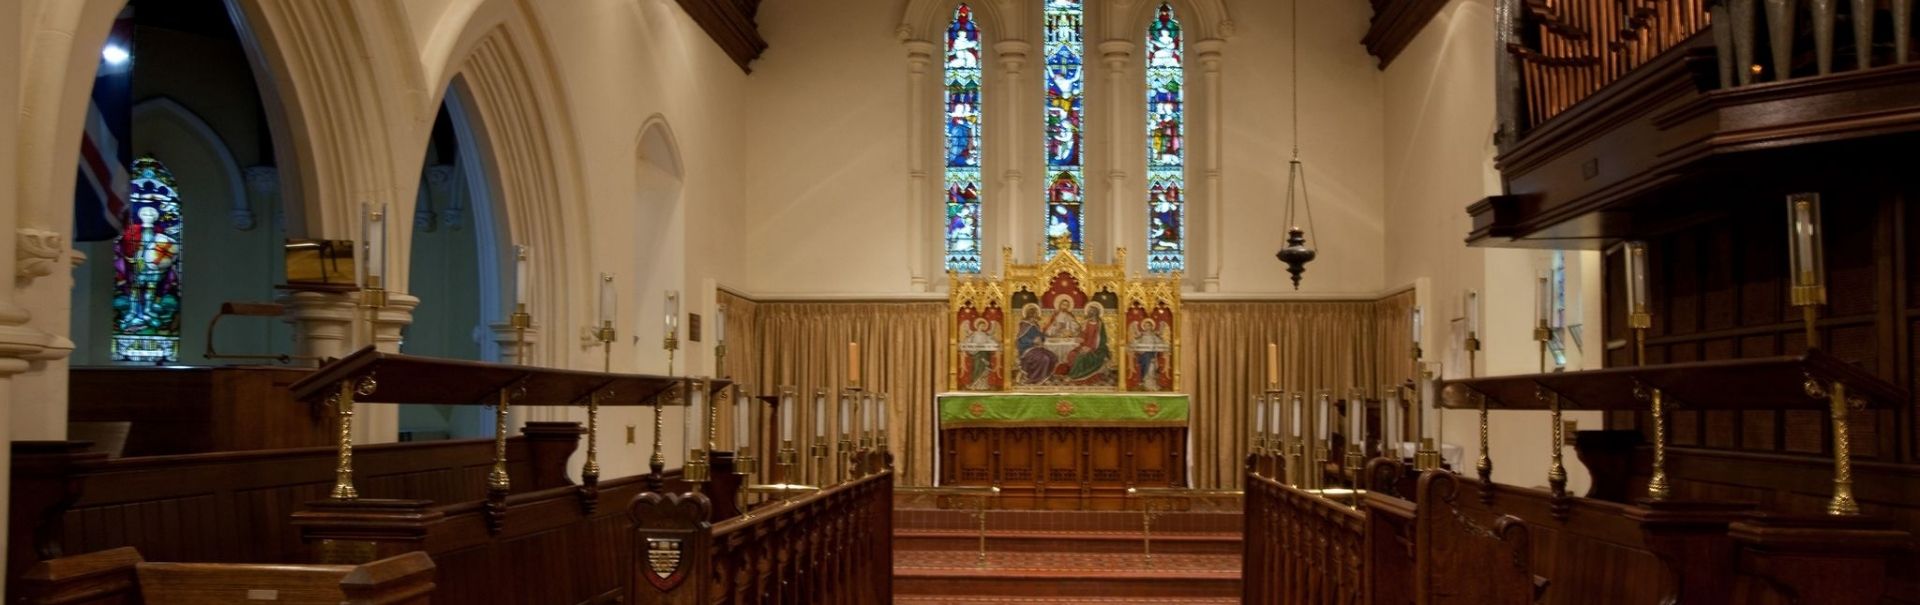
x: 1687, y: 126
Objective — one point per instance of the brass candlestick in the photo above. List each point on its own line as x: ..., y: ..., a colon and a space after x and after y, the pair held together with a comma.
x: 1427, y: 458
x: 343, y: 401
x: 497, y: 479
x: 590, y: 472
x: 657, y: 464
x: 1840, y: 407
x: 845, y: 469
x: 1484, y: 466
x: 1556, y: 472
x: 1658, y: 487
x: 698, y: 469
x: 818, y: 454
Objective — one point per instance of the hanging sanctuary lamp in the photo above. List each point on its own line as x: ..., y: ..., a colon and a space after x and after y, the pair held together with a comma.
x: 1297, y: 253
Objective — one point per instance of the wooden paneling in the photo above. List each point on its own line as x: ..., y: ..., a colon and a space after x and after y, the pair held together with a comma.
x: 197, y: 410
x: 120, y: 577
x: 237, y: 506
x: 1064, y: 467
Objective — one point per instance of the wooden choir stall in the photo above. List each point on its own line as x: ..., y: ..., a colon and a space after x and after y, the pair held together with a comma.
x: 478, y: 521
x: 1064, y: 385
x: 1743, y: 167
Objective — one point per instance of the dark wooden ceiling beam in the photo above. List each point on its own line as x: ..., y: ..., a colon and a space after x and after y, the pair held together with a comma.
x: 731, y: 25
x: 1395, y: 23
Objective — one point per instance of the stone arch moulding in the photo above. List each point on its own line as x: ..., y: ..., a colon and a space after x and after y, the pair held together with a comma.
x: 239, y: 213
x: 1202, y: 19
x: 523, y: 135
x: 927, y: 19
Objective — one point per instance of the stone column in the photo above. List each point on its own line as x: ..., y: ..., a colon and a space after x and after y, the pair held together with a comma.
x: 1209, y: 52
x: 1016, y: 201
x: 323, y: 324
x: 1114, y: 54
x: 919, y: 58
x: 263, y: 191
x: 380, y: 422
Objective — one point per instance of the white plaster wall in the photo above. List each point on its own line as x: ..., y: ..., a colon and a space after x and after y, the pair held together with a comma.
x: 826, y: 165
x: 1439, y: 122
x: 622, y: 62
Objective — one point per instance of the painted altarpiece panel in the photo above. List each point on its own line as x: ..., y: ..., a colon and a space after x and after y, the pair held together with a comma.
x: 1064, y: 325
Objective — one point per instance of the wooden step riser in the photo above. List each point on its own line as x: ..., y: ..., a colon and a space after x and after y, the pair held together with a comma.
x: 998, y: 520
x: 1038, y: 545
x: 1012, y: 585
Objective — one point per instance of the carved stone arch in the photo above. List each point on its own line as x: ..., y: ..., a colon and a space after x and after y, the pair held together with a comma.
x: 523, y: 143
x: 658, y: 148
x: 928, y: 20
x: 240, y: 212
x: 338, y: 123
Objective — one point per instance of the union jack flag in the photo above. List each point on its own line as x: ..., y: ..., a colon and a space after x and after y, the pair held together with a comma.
x: 106, y: 146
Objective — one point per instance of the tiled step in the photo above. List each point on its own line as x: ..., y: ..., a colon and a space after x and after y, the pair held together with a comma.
x: 1215, y: 543
x: 1036, y: 520
x: 971, y: 600
x: 1078, y: 575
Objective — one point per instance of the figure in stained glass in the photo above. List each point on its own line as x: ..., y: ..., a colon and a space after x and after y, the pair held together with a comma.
x: 1065, y: 121
x: 1166, y: 144
x: 963, y: 142
x: 146, y: 302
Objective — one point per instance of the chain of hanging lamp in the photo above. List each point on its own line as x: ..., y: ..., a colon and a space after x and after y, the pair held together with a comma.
x: 1297, y: 253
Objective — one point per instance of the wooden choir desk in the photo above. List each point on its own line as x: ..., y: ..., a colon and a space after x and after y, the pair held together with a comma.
x: 1063, y: 451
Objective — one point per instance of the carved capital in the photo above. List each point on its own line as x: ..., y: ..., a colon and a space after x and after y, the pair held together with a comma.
x: 920, y: 55
x: 263, y: 181
x: 1012, y: 54
x: 36, y: 250
x: 439, y: 179
x: 1209, y: 51
x: 1115, y: 53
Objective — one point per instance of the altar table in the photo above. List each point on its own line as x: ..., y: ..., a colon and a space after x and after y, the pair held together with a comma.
x: 1063, y: 450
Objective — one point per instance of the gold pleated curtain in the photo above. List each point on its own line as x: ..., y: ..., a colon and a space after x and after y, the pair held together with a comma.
x: 1322, y: 345
x: 902, y: 346
x: 1393, y: 318
x: 740, y: 365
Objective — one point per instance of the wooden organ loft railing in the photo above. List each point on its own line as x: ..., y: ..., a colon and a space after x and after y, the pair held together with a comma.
x: 1564, y: 51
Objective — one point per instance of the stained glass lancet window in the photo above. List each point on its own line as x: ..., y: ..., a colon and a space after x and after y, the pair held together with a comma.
x: 1166, y: 144
x: 1065, y: 99
x: 146, y: 269
x: 963, y: 142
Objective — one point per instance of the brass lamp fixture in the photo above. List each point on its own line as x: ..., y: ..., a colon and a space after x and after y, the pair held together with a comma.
x: 1297, y: 252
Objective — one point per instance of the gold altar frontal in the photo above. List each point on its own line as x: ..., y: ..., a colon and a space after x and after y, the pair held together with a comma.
x: 1063, y: 451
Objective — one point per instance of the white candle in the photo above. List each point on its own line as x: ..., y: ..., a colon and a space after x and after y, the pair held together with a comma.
x: 374, y: 228
x: 866, y: 413
x: 742, y: 417
x: 882, y: 411
x: 720, y: 324
x: 846, y: 416
x: 1275, y: 415
x: 520, y: 280
x: 1299, y: 416
x: 607, y: 299
x: 1803, y: 231
x: 820, y: 415
x: 1324, y: 425
x: 1260, y: 414
x: 1356, y: 420
x: 1473, y: 312
x: 1543, y: 296
x: 673, y: 313
x: 1416, y: 325
x: 787, y: 402
x: 1637, y: 292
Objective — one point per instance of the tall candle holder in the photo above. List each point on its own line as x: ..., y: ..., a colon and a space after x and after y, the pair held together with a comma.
x: 1639, y: 314
x: 1556, y: 471
x: 1356, y: 442
x: 1427, y: 457
x: 817, y: 451
x: 1658, y: 486
x: 590, y: 473
x: 1484, y: 466
x: 698, y: 469
x: 1297, y: 448
x: 657, y: 464
x: 1257, y: 442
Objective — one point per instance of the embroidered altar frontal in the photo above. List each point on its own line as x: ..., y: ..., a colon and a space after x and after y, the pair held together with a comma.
x: 959, y: 410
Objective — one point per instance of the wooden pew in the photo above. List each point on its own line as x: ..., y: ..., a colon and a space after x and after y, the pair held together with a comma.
x: 121, y: 577
x: 238, y: 506
x: 832, y: 546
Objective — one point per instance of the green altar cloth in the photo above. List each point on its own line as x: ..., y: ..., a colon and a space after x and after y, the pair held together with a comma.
x: 1062, y: 409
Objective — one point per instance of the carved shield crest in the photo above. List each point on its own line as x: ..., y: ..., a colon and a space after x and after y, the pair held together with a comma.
x: 663, y: 561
